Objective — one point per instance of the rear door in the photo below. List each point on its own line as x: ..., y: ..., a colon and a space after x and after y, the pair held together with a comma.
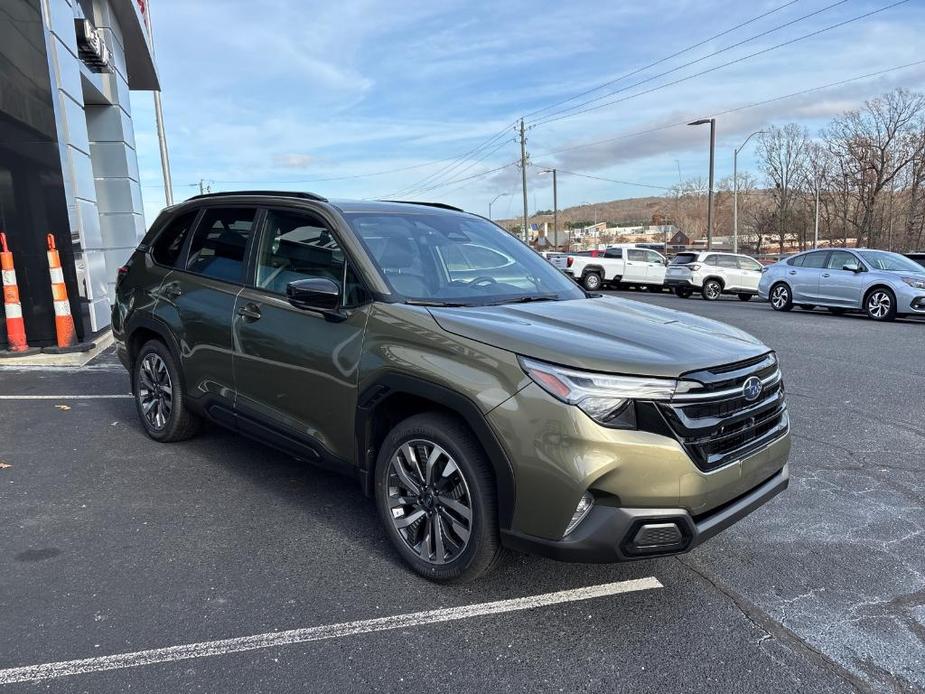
x: 636, y: 266
x: 804, y: 279
x: 197, y: 299
x: 840, y: 287
x: 295, y: 369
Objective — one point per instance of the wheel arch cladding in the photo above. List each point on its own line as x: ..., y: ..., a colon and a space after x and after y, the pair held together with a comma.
x: 714, y: 278
x: 394, y: 397
x: 142, y: 329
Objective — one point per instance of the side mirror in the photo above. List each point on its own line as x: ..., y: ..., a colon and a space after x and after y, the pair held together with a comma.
x: 314, y: 294
x: 852, y: 267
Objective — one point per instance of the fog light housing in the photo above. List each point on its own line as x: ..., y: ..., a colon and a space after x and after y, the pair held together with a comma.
x: 654, y: 536
x: 581, y: 512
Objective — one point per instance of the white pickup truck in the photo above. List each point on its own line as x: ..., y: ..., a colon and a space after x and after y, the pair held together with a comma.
x: 627, y: 266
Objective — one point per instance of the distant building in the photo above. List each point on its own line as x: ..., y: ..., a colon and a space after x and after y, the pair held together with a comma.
x: 679, y: 241
x: 67, y: 151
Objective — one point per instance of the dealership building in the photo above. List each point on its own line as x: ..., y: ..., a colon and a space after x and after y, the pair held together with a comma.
x: 67, y: 151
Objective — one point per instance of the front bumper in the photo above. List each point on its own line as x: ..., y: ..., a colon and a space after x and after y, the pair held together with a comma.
x: 608, y: 533
x: 558, y: 453
x: 910, y: 300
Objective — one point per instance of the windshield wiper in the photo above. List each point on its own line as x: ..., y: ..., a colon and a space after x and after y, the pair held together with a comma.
x: 524, y: 299
x: 429, y: 302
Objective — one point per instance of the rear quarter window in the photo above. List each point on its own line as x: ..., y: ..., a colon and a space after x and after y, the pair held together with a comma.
x: 169, y: 243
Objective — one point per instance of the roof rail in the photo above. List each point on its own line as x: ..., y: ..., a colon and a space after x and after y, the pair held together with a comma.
x: 441, y: 205
x: 268, y: 193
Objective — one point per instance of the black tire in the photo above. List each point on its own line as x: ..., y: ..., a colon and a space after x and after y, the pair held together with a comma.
x: 592, y: 282
x: 164, y: 394
x: 808, y: 307
x: 482, y: 548
x: 780, y: 297
x: 711, y: 290
x: 880, y: 304
x: 683, y: 292
x: 745, y: 297
x: 836, y: 311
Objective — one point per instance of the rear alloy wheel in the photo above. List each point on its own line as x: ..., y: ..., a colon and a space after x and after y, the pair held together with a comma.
x: 781, y: 299
x: 745, y: 297
x: 159, y: 396
x: 712, y: 290
x: 683, y: 292
x: 592, y: 282
x: 880, y: 305
x: 436, y: 496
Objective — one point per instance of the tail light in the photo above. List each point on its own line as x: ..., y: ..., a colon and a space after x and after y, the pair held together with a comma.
x: 693, y: 267
x: 569, y: 261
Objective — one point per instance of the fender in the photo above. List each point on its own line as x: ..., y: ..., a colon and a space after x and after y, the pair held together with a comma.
x: 594, y: 268
x: 156, y: 326
x: 377, y: 394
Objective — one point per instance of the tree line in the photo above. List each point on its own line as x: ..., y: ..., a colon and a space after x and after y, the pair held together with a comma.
x: 866, y: 169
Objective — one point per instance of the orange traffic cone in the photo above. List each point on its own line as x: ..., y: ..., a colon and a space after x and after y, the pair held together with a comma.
x: 64, y: 323
x: 15, y: 328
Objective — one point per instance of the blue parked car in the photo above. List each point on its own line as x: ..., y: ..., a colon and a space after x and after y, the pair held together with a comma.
x: 881, y: 284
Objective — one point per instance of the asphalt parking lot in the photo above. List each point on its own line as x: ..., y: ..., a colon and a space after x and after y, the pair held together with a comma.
x: 113, y: 544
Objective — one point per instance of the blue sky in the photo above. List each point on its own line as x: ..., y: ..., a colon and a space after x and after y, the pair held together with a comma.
x: 280, y: 93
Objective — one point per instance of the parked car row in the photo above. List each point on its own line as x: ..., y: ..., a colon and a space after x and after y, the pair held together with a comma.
x: 881, y: 284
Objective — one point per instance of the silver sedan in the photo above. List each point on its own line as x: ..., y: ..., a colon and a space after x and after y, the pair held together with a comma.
x: 881, y: 284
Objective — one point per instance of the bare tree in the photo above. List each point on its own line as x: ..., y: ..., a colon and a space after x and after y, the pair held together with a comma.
x: 874, y: 145
x: 783, y: 152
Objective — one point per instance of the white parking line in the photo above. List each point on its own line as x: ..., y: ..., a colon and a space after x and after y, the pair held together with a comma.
x: 35, y: 673
x: 65, y: 397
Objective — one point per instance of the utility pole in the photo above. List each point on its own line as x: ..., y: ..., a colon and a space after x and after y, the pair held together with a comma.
x: 816, y: 217
x: 159, y: 118
x: 555, y: 211
x: 523, y: 174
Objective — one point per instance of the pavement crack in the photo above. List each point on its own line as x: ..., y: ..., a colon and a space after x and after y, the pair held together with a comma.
x: 777, y: 631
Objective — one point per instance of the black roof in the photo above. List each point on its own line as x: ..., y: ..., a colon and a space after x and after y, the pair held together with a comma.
x: 343, y: 205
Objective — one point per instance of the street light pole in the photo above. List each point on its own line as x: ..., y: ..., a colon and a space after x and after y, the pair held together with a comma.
x: 712, y: 122
x: 735, y: 191
x: 159, y: 119
x: 493, y: 201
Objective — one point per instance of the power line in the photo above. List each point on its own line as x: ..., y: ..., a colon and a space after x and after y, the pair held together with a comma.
x: 603, y: 178
x: 720, y: 66
x: 412, y: 190
x: 744, y: 107
x: 467, y: 178
x: 665, y: 59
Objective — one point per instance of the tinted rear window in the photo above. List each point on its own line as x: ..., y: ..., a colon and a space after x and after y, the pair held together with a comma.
x: 684, y: 258
x: 166, y: 249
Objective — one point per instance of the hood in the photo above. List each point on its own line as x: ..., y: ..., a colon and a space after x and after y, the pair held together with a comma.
x: 604, y: 334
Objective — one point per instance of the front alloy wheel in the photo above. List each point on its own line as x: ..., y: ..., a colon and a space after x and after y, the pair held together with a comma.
x: 881, y: 305
x: 430, y: 502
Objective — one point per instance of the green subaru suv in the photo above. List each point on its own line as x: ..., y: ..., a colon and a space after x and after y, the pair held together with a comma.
x: 477, y: 393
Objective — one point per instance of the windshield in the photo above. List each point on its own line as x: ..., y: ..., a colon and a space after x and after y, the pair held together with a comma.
x: 684, y: 258
x: 439, y: 258
x: 891, y: 262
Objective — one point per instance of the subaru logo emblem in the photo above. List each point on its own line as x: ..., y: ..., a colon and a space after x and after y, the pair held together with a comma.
x: 752, y: 388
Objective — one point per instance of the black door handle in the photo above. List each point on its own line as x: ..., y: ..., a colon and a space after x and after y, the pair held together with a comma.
x: 249, y: 312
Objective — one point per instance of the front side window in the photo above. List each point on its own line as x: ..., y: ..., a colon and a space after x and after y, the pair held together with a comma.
x: 294, y: 246
x: 169, y: 243
x: 838, y: 260
x: 219, y: 246
x: 746, y: 263
x: 889, y: 262
x: 654, y: 257
x: 440, y: 258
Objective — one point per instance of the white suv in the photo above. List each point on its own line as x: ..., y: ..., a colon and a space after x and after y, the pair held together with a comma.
x: 713, y: 274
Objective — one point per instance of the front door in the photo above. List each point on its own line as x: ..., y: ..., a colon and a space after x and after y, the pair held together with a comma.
x: 840, y: 287
x: 749, y: 273
x: 197, y: 299
x: 296, y: 369
x: 635, y: 266
x: 655, y: 268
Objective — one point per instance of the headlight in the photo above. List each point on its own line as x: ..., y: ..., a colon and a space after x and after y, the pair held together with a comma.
x: 916, y: 282
x: 606, y: 398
